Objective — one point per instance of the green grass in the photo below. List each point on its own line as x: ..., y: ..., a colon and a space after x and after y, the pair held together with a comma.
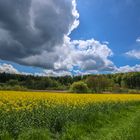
x: 35, y: 134
x: 112, y: 125
x: 106, y: 121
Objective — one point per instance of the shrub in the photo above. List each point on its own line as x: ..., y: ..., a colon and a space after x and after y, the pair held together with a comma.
x: 13, y: 82
x: 134, y: 91
x: 15, y: 87
x: 79, y: 87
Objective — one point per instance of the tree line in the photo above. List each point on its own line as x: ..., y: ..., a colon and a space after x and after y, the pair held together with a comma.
x: 119, y: 82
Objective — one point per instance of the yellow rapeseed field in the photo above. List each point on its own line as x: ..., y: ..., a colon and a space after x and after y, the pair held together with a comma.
x: 21, y: 100
x: 66, y: 114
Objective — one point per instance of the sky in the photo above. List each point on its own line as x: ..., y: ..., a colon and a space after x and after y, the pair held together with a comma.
x: 69, y: 37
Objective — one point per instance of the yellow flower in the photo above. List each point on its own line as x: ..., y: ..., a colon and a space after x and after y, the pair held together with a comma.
x: 28, y: 100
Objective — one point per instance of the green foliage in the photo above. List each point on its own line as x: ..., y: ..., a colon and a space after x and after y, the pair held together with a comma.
x: 5, y: 136
x: 79, y: 87
x: 42, y: 84
x: 98, y: 83
x: 115, y: 127
x: 134, y: 91
x: 14, y: 88
x: 12, y: 82
x: 74, y: 132
x: 35, y: 134
x: 106, y: 121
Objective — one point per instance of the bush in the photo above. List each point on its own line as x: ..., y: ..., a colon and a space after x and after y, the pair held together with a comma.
x: 13, y: 82
x: 133, y: 91
x: 18, y: 88
x: 15, y: 88
x: 79, y: 87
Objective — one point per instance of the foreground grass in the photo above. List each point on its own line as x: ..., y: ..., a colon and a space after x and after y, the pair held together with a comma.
x: 123, y: 125
x: 30, y: 116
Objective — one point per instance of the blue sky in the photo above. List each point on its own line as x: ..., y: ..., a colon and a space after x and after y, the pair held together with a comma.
x: 114, y: 21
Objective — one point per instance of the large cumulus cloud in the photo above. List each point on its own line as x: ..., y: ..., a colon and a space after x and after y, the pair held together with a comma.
x: 89, y: 55
x: 36, y: 33
x: 32, y: 27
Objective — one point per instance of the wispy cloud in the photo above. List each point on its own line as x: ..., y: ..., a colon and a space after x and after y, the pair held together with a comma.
x: 133, y: 54
x: 138, y: 40
x: 128, y: 68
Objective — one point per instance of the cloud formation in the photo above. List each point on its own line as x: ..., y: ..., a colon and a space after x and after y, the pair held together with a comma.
x: 36, y: 33
x: 133, y: 54
x: 138, y: 40
x: 128, y: 68
x: 54, y: 73
x: 35, y: 28
x: 8, y: 69
x: 89, y: 55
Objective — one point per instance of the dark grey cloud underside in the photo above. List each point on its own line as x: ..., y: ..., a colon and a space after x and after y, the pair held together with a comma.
x: 29, y: 27
x: 36, y: 33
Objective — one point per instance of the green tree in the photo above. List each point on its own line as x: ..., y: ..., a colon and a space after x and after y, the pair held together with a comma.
x: 13, y: 82
x: 98, y: 83
x: 79, y: 87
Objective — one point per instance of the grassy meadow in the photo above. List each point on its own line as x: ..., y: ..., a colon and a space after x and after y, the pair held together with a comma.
x: 63, y: 116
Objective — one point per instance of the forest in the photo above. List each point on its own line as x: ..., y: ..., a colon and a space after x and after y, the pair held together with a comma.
x: 119, y: 82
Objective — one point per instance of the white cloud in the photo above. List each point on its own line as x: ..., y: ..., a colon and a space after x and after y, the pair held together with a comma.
x: 42, y: 39
x: 138, y: 40
x: 45, y: 41
x: 128, y: 68
x: 106, y: 42
x: 76, y: 15
x: 87, y: 55
x: 53, y: 73
x: 7, y: 68
x: 133, y: 54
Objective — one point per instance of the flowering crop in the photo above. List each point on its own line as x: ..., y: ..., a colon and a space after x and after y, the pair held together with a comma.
x: 25, y: 100
x: 53, y: 111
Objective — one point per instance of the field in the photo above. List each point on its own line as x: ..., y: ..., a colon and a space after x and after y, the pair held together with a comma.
x: 56, y: 116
